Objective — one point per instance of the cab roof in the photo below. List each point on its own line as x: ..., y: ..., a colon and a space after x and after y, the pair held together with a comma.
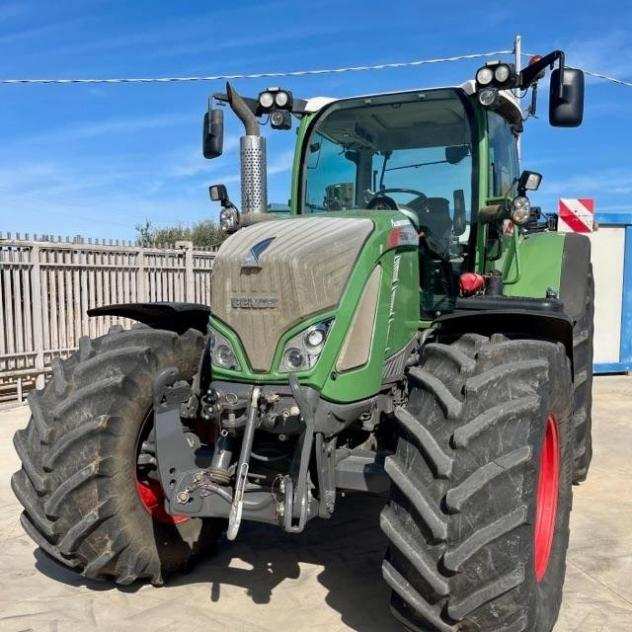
x: 509, y: 105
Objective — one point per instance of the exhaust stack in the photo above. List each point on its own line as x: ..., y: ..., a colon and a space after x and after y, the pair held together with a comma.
x: 254, y: 183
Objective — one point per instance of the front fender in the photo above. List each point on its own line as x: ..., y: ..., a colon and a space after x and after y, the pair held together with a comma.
x: 178, y: 317
x: 528, y: 318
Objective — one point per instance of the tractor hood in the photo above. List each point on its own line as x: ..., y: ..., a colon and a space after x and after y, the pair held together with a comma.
x: 272, y: 275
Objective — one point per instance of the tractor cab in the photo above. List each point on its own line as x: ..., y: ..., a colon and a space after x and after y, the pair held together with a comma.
x: 413, y: 153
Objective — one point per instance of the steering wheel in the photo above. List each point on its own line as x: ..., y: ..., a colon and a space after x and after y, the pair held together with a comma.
x: 382, y: 201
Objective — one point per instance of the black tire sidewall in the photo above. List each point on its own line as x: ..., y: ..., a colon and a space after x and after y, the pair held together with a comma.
x: 546, y: 595
x: 171, y: 542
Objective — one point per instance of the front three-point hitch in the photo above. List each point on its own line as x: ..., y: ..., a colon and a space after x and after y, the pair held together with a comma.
x: 231, y: 480
x: 222, y: 484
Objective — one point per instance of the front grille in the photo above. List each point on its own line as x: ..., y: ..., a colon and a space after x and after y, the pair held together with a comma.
x: 302, y: 271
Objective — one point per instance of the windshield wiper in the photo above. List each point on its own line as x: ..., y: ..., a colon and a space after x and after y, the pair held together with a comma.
x: 416, y: 165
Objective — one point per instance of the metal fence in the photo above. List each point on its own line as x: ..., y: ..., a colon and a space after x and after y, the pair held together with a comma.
x: 47, y: 285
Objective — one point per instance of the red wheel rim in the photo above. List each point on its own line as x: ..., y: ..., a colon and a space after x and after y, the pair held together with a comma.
x: 546, y: 499
x: 153, y: 499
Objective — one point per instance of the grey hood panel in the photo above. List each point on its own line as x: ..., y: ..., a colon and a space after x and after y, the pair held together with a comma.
x: 303, y: 269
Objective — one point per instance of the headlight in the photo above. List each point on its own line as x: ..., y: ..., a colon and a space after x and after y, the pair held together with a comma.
x: 484, y: 76
x: 501, y: 73
x: 222, y: 352
x: 520, y: 210
x: 488, y: 96
x: 303, y: 350
x: 229, y: 219
x: 315, y: 337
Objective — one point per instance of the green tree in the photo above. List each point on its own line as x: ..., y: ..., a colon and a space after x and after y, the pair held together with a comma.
x: 203, y: 234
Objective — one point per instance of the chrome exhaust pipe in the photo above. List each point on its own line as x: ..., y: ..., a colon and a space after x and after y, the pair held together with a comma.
x: 254, y: 181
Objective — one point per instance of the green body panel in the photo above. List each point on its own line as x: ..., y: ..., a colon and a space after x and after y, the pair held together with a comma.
x: 396, y: 320
x: 531, y: 264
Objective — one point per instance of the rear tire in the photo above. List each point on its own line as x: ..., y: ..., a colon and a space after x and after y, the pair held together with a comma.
x: 465, y: 477
x: 79, y: 460
x: 582, y: 401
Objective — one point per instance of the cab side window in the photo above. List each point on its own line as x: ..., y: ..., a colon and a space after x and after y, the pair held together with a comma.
x: 503, y: 149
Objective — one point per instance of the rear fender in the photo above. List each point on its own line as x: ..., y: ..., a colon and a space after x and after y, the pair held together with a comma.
x: 574, y: 275
x: 177, y: 317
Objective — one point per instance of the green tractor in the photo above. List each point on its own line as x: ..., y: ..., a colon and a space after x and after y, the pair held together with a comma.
x: 413, y: 328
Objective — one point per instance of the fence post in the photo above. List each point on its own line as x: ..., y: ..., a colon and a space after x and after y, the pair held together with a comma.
x: 141, y: 280
x: 189, y: 279
x: 38, y: 331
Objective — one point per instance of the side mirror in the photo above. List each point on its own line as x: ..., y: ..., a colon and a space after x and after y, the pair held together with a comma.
x: 529, y: 181
x: 213, y: 133
x: 455, y: 153
x: 459, y: 223
x: 566, y: 98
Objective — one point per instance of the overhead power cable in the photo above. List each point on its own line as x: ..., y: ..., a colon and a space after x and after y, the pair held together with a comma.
x: 620, y: 82
x: 290, y: 73
x: 258, y: 75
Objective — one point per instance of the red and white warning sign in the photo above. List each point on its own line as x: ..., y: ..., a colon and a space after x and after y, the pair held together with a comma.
x: 576, y: 215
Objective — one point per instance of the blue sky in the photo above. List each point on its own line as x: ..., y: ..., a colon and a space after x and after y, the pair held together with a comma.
x: 97, y: 160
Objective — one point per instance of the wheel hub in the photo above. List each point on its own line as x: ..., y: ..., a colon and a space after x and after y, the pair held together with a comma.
x: 151, y: 495
x: 546, y: 499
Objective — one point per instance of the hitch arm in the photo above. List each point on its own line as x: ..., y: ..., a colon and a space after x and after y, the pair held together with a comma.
x: 300, y: 491
x: 241, y: 478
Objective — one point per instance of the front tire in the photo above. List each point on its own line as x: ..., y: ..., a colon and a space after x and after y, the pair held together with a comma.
x: 84, y: 503
x: 481, y: 492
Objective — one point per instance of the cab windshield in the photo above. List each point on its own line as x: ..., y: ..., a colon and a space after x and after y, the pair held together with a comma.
x: 411, y: 152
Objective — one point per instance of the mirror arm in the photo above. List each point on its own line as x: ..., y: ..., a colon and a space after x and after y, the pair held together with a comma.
x: 529, y: 75
x: 252, y: 104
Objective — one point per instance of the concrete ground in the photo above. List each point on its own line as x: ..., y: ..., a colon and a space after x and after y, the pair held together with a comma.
x: 327, y: 578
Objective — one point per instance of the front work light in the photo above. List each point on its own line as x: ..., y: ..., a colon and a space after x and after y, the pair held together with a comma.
x: 274, y: 97
x: 281, y: 99
x: 229, y: 219
x: 520, y: 210
x: 484, y: 76
x: 488, y: 96
x: 502, y: 73
x: 280, y: 119
x: 492, y: 77
x: 266, y: 100
x: 529, y: 181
